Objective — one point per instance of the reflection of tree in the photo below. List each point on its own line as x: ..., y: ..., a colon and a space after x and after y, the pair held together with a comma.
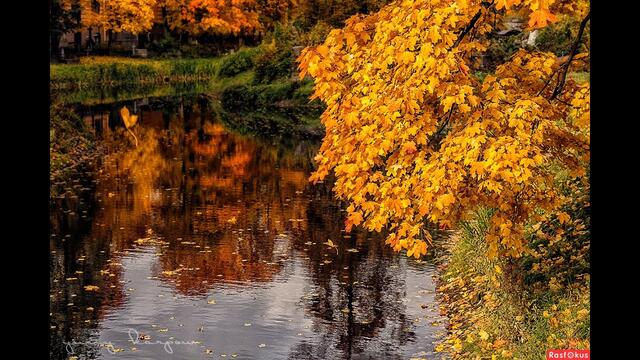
x: 220, y: 207
x: 237, y: 201
x: 356, y: 299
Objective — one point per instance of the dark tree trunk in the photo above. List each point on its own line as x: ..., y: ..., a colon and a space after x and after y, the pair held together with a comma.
x: 164, y: 20
x: 90, y: 42
x: 142, y: 41
x: 109, y: 41
x: 55, y: 45
x: 77, y: 39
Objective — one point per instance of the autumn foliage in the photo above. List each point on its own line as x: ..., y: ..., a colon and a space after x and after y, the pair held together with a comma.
x: 134, y: 16
x: 212, y: 16
x: 414, y: 138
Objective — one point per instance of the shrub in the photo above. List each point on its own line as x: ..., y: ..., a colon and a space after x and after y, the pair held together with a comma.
x: 238, y: 62
x: 273, y: 64
x: 165, y: 47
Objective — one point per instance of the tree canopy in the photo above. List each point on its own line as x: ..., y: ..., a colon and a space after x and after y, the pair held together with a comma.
x: 415, y: 137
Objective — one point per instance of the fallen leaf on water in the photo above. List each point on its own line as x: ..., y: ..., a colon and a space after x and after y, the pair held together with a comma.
x: 212, y: 302
x: 232, y: 220
x: 91, y: 288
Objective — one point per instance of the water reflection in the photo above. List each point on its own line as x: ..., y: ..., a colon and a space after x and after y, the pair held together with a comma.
x: 204, y: 235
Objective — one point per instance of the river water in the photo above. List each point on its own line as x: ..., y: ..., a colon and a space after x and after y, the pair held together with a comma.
x: 203, y: 242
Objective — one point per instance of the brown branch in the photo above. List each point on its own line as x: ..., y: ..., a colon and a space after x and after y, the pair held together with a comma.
x: 470, y: 25
x: 466, y: 30
x: 553, y: 74
x: 574, y: 48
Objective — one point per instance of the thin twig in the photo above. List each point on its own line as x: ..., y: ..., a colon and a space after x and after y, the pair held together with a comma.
x: 574, y: 48
x: 470, y: 25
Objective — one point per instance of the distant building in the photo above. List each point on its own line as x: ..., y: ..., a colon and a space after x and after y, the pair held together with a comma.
x: 96, y: 37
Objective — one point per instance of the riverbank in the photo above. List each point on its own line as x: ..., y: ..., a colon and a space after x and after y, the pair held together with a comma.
x: 95, y: 72
x: 516, y: 309
x: 254, y: 86
x: 71, y: 145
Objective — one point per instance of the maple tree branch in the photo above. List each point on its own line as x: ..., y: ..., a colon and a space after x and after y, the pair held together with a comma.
x: 574, y: 48
x: 446, y: 121
x: 553, y: 74
x: 471, y: 24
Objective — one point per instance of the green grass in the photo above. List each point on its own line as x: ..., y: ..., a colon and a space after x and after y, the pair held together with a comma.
x: 580, y: 77
x: 113, y: 71
x: 481, y: 299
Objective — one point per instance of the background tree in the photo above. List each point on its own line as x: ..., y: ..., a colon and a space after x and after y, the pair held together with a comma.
x: 115, y: 16
x: 63, y: 19
x: 415, y: 138
x: 216, y: 17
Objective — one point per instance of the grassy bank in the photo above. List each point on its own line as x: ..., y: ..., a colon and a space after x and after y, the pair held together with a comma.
x: 519, y: 308
x: 95, y: 72
x: 71, y: 144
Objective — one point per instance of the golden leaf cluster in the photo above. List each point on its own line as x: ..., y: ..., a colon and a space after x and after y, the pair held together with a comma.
x: 414, y: 138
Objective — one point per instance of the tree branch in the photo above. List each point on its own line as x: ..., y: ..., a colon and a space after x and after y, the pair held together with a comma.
x: 470, y: 25
x: 574, y: 48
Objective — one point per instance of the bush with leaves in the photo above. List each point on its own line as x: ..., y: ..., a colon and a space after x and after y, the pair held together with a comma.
x: 273, y: 64
x: 238, y: 62
x: 166, y: 47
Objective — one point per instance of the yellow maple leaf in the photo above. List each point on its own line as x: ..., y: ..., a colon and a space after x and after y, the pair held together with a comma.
x: 563, y: 217
x: 323, y: 50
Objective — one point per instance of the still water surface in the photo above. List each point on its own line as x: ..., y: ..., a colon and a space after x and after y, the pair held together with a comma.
x: 205, y: 243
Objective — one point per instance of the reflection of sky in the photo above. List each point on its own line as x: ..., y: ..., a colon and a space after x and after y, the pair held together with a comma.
x: 274, y: 311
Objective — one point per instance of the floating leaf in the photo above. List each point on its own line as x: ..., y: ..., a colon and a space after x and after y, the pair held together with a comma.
x: 128, y: 119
